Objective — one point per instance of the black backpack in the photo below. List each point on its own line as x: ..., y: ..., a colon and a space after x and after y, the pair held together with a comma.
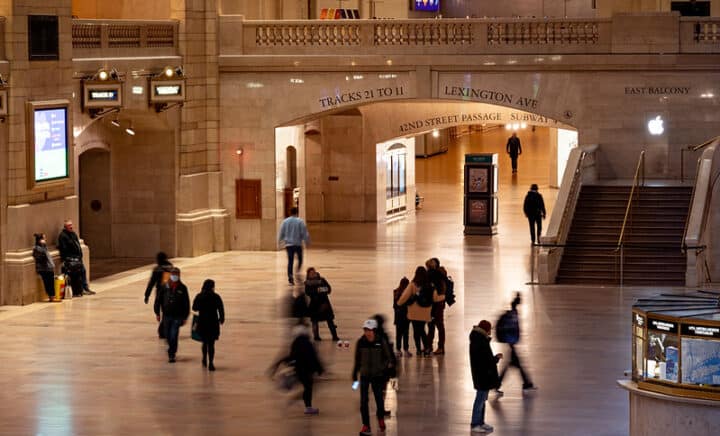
x: 449, y: 291
x: 507, y: 328
x: 424, y: 296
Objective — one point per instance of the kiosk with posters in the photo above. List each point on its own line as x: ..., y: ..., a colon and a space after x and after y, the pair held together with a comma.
x: 481, y: 186
x: 675, y: 386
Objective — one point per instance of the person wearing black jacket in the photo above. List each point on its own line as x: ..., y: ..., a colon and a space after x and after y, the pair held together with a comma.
x: 534, y: 208
x: 304, y: 359
x: 402, y: 324
x: 320, y: 309
x: 484, y: 374
x: 71, y: 254
x: 211, y: 313
x: 44, y: 265
x: 156, y: 281
x: 373, y: 358
x: 514, y: 149
x: 173, y: 302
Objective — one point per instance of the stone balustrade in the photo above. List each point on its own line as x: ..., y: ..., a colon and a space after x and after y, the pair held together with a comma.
x: 124, y: 38
x: 465, y: 36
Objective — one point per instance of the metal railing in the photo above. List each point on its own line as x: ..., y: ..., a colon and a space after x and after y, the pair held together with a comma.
x: 575, y: 185
x: 638, y: 181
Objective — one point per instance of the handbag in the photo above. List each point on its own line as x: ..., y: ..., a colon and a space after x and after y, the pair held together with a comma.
x: 194, y: 332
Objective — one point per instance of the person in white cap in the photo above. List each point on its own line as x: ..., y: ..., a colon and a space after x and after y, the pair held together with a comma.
x: 373, y: 357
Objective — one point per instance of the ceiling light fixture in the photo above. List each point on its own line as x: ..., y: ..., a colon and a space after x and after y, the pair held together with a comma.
x: 130, y: 131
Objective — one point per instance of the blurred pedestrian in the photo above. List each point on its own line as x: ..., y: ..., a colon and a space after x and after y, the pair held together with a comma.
x: 508, y: 331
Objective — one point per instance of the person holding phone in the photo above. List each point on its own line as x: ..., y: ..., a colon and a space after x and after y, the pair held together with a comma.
x: 484, y: 374
x: 373, y: 357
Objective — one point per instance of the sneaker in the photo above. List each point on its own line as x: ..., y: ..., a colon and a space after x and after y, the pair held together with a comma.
x: 408, y: 354
x: 312, y: 410
x: 89, y: 292
x: 488, y: 428
x: 499, y: 393
x: 529, y: 389
x: 439, y: 351
x: 365, y: 431
x: 381, y: 424
x: 478, y: 429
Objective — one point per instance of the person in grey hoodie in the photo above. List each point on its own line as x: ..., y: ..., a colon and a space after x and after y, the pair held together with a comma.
x: 44, y: 265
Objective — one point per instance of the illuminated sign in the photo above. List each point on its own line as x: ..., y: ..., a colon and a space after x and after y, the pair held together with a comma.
x: 662, y: 325
x: 100, y: 95
x: 427, y: 5
x: 165, y: 91
x: 700, y: 330
x: 48, y: 141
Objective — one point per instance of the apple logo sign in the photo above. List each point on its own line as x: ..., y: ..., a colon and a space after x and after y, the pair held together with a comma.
x: 655, y: 126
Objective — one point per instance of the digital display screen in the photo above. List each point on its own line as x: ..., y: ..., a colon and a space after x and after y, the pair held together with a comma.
x: 51, y: 144
x: 104, y: 95
x: 167, y: 90
x: 427, y: 5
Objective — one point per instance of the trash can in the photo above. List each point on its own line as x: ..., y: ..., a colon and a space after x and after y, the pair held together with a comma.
x: 60, y: 287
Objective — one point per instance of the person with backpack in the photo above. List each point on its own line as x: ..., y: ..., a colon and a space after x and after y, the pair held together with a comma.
x: 373, y: 358
x: 420, y: 295
x: 402, y: 324
x: 173, y: 303
x: 320, y: 309
x: 438, y: 276
x: 305, y: 361
x: 508, y: 331
x: 158, y: 277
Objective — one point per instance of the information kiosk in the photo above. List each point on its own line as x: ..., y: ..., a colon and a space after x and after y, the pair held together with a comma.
x: 481, y: 187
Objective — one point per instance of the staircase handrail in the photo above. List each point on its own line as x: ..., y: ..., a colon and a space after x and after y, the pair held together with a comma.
x: 638, y: 180
x: 704, y: 144
x: 699, y: 178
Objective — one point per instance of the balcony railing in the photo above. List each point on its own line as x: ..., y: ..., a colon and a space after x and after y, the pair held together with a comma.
x: 464, y: 36
x: 121, y: 38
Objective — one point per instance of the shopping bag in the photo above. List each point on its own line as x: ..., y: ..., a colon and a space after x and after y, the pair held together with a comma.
x: 194, y: 332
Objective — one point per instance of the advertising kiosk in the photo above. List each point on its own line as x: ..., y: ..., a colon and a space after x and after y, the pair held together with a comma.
x: 481, y: 185
x: 675, y: 386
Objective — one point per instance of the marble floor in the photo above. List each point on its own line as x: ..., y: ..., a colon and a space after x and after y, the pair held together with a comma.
x: 94, y: 365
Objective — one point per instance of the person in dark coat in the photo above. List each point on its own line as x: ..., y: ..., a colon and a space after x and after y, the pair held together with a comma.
x: 402, y: 324
x: 72, y: 256
x: 484, y: 373
x: 157, y: 279
x: 514, y: 149
x: 373, y: 358
x: 211, y: 314
x: 320, y: 309
x: 173, y: 302
x: 304, y: 359
x: 435, y: 275
x: 44, y: 265
x: 534, y: 208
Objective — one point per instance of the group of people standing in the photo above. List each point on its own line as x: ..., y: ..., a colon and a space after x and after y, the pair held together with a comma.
x: 420, y: 302
x: 71, y: 256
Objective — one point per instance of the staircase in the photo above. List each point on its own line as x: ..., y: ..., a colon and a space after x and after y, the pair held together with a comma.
x: 653, y: 237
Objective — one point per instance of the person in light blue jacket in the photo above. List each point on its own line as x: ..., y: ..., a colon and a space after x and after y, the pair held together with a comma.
x: 293, y: 233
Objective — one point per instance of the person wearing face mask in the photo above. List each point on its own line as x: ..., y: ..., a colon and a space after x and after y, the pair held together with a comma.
x: 44, y: 265
x: 173, y: 303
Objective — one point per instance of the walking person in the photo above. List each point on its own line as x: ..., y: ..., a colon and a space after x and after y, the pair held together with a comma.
x: 484, y: 374
x: 514, y: 149
x: 72, y: 257
x: 438, y: 279
x: 173, y: 303
x: 373, y: 357
x: 320, y: 309
x: 44, y: 265
x: 402, y: 324
x: 420, y: 296
x: 211, y: 314
x: 304, y: 359
x: 157, y: 279
x: 508, y: 331
x: 293, y: 233
x: 534, y: 208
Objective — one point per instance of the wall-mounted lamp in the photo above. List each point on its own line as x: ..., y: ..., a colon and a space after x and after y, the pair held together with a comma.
x: 171, y: 72
x: 104, y: 74
x: 436, y: 133
x: 115, y: 122
x: 239, y: 151
x: 130, y: 131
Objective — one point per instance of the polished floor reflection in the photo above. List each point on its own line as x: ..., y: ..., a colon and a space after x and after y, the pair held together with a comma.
x: 94, y: 366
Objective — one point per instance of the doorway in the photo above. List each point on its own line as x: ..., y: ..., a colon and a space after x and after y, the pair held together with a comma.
x: 95, y: 198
